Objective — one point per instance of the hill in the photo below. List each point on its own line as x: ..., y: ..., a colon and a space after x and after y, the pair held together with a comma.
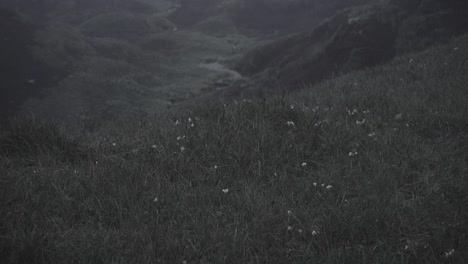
x: 100, y: 59
x: 367, y: 167
x: 352, y: 39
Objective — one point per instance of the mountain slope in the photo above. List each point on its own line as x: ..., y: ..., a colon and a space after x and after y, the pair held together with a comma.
x: 353, y: 39
x: 367, y: 167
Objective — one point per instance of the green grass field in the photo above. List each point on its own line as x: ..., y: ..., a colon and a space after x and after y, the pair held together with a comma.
x: 370, y: 167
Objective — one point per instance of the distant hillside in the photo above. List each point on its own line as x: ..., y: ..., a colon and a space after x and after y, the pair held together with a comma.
x: 103, y: 58
x: 354, y: 39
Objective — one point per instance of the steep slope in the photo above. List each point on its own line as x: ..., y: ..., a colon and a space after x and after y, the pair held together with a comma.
x: 353, y: 39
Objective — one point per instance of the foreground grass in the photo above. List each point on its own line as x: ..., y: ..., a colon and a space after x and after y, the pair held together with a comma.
x: 367, y: 168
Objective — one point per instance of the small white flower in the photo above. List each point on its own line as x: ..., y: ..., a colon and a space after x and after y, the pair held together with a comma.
x: 225, y: 190
x: 291, y: 106
x: 304, y: 164
x: 315, y: 184
x: 371, y: 134
x: 190, y: 120
x: 318, y: 123
x: 34, y: 171
x: 290, y: 123
x: 290, y: 228
x: 215, y: 167
x: 360, y: 122
x: 114, y: 144
x: 366, y: 112
x: 289, y: 212
x: 328, y: 187
x: 314, y: 233
x: 154, y: 146
x: 177, y: 122
x: 399, y: 116
x: 156, y: 199
x: 456, y: 48
x: 184, y: 262
x: 182, y: 149
x: 352, y: 154
x: 299, y: 230
x: 449, y: 253
x: 323, y: 184
x: 410, y: 60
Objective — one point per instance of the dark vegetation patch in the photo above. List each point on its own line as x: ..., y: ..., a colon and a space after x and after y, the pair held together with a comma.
x: 28, y: 138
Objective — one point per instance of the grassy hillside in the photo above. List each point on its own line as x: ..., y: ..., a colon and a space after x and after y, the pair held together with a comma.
x: 370, y: 167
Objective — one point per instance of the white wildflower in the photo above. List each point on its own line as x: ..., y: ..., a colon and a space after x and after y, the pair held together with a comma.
x: 399, y: 116
x: 315, y: 184
x: 114, y: 144
x: 372, y: 134
x: 360, y: 122
x: 289, y: 212
x: 182, y: 149
x: 304, y: 164
x: 290, y: 228
x: 328, y: 187
x: 449, y: 253
x: 290, y: 123
x: 156, y: 199
x: 225, y: 190
x: 314, y: 233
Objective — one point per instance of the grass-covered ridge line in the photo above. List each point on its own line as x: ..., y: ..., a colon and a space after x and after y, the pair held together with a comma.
x: 366, y: 168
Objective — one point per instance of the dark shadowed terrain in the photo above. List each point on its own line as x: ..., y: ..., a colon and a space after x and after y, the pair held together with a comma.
x: 234, y: 131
